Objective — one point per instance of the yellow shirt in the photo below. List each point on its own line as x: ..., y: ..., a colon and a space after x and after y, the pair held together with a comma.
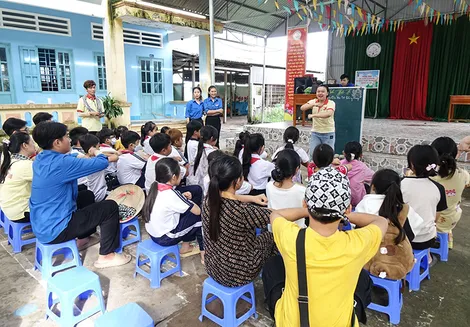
x: 323, y: 125
x: 454, y: 186
x: 118, y: 146
x: 333, y: 267
x: 16, y: 190
x: 93, y: 124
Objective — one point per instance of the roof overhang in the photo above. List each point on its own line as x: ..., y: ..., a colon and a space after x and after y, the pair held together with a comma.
x: 137, y: 13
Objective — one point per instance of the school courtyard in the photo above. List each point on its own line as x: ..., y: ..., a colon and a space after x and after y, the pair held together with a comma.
x: 442, y: 301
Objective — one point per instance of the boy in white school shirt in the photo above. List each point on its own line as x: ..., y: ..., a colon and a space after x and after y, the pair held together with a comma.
x: 107, y: 140
x: 130, y: 167
x: 75, y: 134
x: 96, y: 182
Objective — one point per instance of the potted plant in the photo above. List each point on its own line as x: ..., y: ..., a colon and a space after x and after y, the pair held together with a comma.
x: 111, y: 107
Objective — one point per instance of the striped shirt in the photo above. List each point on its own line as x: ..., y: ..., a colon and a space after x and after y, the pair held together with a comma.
x: 238, y: 255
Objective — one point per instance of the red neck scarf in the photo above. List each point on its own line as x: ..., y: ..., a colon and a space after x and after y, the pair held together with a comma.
x: 127, y: 151
x: 164, y: 187
x: 155, y: 158
x: 91, y: 97
x: 253, y: 160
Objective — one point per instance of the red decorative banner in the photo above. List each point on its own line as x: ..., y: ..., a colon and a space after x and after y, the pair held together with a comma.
x: 296, y: 63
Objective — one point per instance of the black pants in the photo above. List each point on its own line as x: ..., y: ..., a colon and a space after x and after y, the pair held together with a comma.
x: 197, y: 119
x: 257, y: 192
x: 84, y: 222
x: 25, y: 219
x: 215, y: 122
x: 85, y: 198
x: 423, y: 245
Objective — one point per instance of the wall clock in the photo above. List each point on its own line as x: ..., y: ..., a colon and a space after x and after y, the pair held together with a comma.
x: 373, y: 50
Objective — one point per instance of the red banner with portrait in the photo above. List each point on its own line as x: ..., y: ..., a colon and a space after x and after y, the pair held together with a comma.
x: 295, y: 65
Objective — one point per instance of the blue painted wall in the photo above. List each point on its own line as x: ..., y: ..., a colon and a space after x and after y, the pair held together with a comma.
x: 83, y: 51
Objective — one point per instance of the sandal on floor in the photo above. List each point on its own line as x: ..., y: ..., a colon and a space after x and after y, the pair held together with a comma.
x: 118, y: 260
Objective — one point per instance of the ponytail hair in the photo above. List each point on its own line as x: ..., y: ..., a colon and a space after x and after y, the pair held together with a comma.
x: 165, y: 169
x: 191, y: 127
x: 423, y: 160
x: 291, y: 136
x: 11, y: 146
x: 352, y: 150
x: 253, y: 144
x: 145, y: 129
x: 447, y: 151
x: 224, y: 173
x: 207, y: 133
x: 387, y: 182
x: 240, y: 143
x: 287, y: 163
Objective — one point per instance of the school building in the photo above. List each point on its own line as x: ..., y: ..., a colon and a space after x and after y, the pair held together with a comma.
x: 47, y: 54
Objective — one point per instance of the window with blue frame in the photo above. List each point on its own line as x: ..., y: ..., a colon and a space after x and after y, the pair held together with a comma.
x: 47, y: 70
x: 101, y: 72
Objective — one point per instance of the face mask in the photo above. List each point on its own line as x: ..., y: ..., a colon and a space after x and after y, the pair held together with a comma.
x: 113, y: 141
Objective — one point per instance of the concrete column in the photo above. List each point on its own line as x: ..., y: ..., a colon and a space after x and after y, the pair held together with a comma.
x: 205, y: 64
x: 115, y: 60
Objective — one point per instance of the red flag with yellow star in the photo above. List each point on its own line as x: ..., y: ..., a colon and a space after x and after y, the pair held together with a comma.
x: 410, y: 71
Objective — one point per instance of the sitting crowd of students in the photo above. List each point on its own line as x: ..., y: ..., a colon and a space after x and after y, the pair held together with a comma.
x: 195, y: 192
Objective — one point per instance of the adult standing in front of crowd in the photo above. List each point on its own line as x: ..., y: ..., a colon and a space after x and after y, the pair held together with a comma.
x: 90, y: 108
x: 213, y: 110
x: 195, y: 107
x: 323, y: 117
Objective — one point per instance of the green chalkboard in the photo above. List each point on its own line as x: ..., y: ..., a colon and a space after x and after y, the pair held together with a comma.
x: 349, y: 114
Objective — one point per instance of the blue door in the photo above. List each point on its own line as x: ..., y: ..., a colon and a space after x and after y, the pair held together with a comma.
x: 151, y: 87
x: 6, y: 86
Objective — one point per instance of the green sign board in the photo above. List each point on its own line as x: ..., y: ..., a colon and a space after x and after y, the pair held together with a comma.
x: 349, y: 114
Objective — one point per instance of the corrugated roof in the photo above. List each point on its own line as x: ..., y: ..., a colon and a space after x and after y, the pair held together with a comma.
x: 248, y: 16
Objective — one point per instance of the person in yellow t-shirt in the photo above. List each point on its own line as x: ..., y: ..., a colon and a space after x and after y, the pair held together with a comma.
x: 323, y: 118
x: 334, y: 259
x: 454, y: 180
x: 90, y: 108
x: 16, y: 176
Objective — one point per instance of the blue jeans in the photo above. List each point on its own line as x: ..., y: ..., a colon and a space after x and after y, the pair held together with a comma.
x: 321, y: 138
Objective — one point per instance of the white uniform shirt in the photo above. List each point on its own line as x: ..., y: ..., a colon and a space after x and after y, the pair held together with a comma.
x: 280, y: 198
x: 244, y: 189
x: 260, y: 172
x: 97, y: 184
x: 263, y: 155
x: 147, y: 148
x: 112, y: 166
x: 77, y: 151
x: 150, y: 170
x: 197, y: 178
x: 192, y: 150
x: 166, y: 211
x: 303, y: 159
x: 426, y: 197
x: 129, y: 168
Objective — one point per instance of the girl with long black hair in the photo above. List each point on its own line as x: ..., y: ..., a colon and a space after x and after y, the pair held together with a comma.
x: 147, y: 130
x: 195, y: 107
x: 16, y: 175
x: 256, y: 170
x: 192, y: 139
x: 395, y: 256
x: 198, y: 169
x: 170, y: 216
x: 234, y: 254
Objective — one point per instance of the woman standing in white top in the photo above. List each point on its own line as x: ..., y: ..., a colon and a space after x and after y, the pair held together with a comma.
x: 256, y: 170
x: 291, y: 136
x: 283, y: 193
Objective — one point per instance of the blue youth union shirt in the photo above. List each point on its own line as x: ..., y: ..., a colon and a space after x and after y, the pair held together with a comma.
x: 210, y: 104
x: 194, y: 110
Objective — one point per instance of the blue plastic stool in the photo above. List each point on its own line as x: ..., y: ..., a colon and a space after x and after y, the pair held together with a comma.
x: 443, y: 250
x: 125, y: 231
x: 132, y: 314
x: 73, y: 283
x: 156, y: 256
x: 5, y: 223
x: 15, y: 233
x: 395, y: 298
x: 2, y: 221
x: 229, y: 297
x: 45, y: 253
x: 415, y: 277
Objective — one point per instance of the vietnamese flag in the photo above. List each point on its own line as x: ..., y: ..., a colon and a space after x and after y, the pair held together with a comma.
x: 410, y: 71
